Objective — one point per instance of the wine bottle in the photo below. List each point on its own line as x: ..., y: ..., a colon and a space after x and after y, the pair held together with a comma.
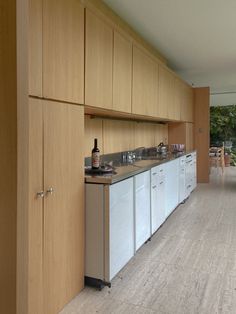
x: 95, y: 155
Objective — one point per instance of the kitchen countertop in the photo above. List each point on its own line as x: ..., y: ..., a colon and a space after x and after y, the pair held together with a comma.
x: 124, y: 171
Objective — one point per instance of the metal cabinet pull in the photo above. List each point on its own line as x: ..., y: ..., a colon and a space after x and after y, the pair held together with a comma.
x: 154, y: 186
x: 154, y: 173
x: 50, y: 191
x: 161, y: 182
x: 40, y: 194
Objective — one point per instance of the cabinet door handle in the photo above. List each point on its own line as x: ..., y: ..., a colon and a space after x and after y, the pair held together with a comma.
x: 161, y: 182
x: 40, y: 194
x: 154, y: 186
x: 50, y: 191
x: 154, y: 173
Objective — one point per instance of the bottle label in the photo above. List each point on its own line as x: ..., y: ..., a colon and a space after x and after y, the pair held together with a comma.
x: 95, y: 160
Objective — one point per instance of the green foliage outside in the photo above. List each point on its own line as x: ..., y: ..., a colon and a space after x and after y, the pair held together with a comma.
x: 223, y: 127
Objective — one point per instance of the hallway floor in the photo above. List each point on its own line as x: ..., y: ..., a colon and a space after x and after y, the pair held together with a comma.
x: 188, y: 267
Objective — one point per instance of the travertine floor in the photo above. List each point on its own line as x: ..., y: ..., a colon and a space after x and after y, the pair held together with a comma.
x: 188, y: 267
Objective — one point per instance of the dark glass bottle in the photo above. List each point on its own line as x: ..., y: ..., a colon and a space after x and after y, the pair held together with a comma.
x: 95, y: 155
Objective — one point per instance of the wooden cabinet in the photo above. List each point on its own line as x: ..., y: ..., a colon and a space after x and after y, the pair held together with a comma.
x: 63, y: 50
x: 56, y: 217
x: 178, y: 97
x: 183, y: 101
x: 56, y: 50
x: 166, y: 108
x: 35, y: 48
x: 98, y: 62
x: 145, y: 84
x: 122, y: 73
x: 187, y: 104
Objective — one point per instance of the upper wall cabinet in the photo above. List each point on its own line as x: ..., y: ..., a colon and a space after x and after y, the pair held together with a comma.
x: 35, y: 48
x: 187, y: 104
x: 98, y: 62
x: 63, y: 50
x: 145, y: 84
x: 122, y: 73
x: 178, y: 97
x: 183, y: 101
x: 56, y: 50
x: 166, y: 107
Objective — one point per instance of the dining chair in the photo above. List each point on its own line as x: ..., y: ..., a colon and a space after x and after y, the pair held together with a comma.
x: 216, y: 158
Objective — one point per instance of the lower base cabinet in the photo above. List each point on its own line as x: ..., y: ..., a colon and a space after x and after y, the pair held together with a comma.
x: 157, y: 197
x: 182, y: 192
x: 194, y: 171
x: 142, y: 208
x: 122, y: 216
x: 109, y: 229
x: 172, y: 185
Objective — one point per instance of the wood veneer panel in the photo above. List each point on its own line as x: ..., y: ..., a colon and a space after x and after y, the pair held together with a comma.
x: 117, y: 136
x: 201, y: 132
x: 63, y: 50
x: 122, y: 73
x: 8, y: 109
x: 92, y: 130
x: 35, y: 47
x: 63, y: 267
x: 98, y: 62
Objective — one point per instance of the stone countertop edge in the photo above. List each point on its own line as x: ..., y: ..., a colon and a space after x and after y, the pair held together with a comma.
x: 130, y: 170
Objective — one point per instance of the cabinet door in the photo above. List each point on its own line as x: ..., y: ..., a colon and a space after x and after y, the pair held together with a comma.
x: 194, y: 170
x: 121, y: 225
x: 122, y: 73
x: 157, y: 197
x: 98, y: 62
x: 63, y: 50
x: 35, y: 218
x: 142, y: 208
x: 187, y: 104
x: 172, y: 186
x: 166, y: 95
x: 64, y: 208
x: 145, y: 84
x: 181, y: 179
x: 178, y: 98
x: 35, y: 48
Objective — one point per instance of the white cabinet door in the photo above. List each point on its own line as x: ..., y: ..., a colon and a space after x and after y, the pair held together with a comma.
x: 121, y: 237
x: 194, y: 155
x: 142, y: 208
x: 157, y: 197
x: 182, y: 179
x: 172, y: 186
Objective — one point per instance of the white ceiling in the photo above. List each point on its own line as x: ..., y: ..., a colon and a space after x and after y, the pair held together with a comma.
x: 198, y: 38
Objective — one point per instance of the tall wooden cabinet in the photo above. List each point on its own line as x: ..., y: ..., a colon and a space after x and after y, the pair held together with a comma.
x: 145, y: 84
x: 56, y: 50
x: 56, y: 215
x: 98, y: 62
